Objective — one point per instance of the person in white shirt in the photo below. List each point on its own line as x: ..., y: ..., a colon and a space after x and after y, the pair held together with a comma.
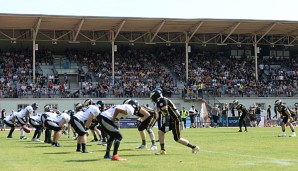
x: 23, y: 118
x: 48, y: 113
x: 107, y: 120
x: 35, y: 121
x: 81, y: 122
x: 10, y: 121
x: 57, y: 124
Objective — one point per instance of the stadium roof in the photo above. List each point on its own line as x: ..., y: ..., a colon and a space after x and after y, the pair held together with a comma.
x: 14, y: 27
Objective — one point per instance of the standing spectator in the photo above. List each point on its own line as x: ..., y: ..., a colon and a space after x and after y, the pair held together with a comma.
x: 258, y: 111
x: 3, y: 115
x: 215, y: 114
x: 169, y: 119
x: 269, y: 114
x: 193, y: 114
x: 65, y: 78
x: 224, y: 115
x: 184, y: 115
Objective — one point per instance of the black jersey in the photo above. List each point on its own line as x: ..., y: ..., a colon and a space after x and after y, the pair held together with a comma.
x: 241, y: 108
x: 166, y: 106
x: 282, y: 109
x: 149, y: 110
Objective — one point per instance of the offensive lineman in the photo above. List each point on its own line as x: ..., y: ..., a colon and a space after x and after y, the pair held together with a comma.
x: 244, y: 115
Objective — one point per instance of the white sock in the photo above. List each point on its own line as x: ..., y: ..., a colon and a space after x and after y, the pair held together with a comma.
x: 22, y: 132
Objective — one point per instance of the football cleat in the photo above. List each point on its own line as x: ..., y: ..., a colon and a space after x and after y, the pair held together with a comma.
x: 23, y: 137
x: 153, y: 147
x: 283, y: 134
x: 141, y: 147
x: 293, y: 134
x: 107, y: 156
x: 195, y: 150
x: 117, y: 158
x: 9, y: 137
x: 161, y: 152
x: 86, y: 151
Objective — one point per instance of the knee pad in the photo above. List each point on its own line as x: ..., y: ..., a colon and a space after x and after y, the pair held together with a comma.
x: 149, y: 131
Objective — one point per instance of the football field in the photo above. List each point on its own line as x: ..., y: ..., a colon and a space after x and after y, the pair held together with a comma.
x: 221, y: 149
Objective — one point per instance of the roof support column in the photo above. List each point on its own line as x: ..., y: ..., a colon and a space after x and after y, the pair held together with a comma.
x: 34, y: 48
x: 33, y: 60
x: 186, y: 62
x: 255, y: 44
x: 113, y: 57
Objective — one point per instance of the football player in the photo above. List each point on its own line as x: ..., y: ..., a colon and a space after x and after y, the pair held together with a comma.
x: 101, y: 106
x: 169, y: 119
x: 23, y: 118
x: 10, y: 121
x: 57, y: 124
x: 48, y: 113
x: 81, y: 122
x: 146, y: 120
x: 107, y: 120
x: 94, y: 123
x: 35, y: 121
x: 244, y: 115
x: 286, y: 117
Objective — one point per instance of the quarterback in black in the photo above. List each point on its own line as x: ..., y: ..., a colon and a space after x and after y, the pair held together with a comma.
x: 244, y: 115
x: 286, y: 116
x: 169, y: 119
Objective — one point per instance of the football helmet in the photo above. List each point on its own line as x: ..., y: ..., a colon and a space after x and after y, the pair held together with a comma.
x: 88, y: 102
x: 100, y: 104
x: 64, y: 111
x: 235, y: 102
x: 278, y: 102
x: 34, y: 106
x: 155, y: 95
x: 78, y: 107
x: 135, y: 104
x: 47, y: 108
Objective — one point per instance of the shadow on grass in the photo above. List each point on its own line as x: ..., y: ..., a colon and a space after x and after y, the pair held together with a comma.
x: 59, y: 153
x: 90, y: 160
x: 37, y: 146
x: 130, y: 142
x: 131, y: 155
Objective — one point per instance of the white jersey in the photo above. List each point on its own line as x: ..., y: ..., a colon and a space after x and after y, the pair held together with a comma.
x: 36, y: 118
x: 111, y: 111
x: 23, y: 112
x: 64, y: 116
x: 10, y: 116
x: 48, y: 115
x: 84, y: 115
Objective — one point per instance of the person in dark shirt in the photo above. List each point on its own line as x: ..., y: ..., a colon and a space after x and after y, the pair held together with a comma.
x: 244, y: 115
x: 169, y: 119
x: 286, y: 116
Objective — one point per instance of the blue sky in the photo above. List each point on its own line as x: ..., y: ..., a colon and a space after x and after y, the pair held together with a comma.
x: 190, y: 9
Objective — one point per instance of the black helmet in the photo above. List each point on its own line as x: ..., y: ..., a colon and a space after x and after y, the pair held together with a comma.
x: 47, y: 108
x: 155, y: 95
x: 100, y: 104
x: 88, y: 102
x: 135, y: 104
x: 34, y: 106
x: 78, y: 106
x: 278, y: 102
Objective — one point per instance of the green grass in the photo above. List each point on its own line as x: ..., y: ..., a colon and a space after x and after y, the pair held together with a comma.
x: 221, y: 149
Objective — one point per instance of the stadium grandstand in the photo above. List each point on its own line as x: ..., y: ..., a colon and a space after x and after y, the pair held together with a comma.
x: 215, y: 60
